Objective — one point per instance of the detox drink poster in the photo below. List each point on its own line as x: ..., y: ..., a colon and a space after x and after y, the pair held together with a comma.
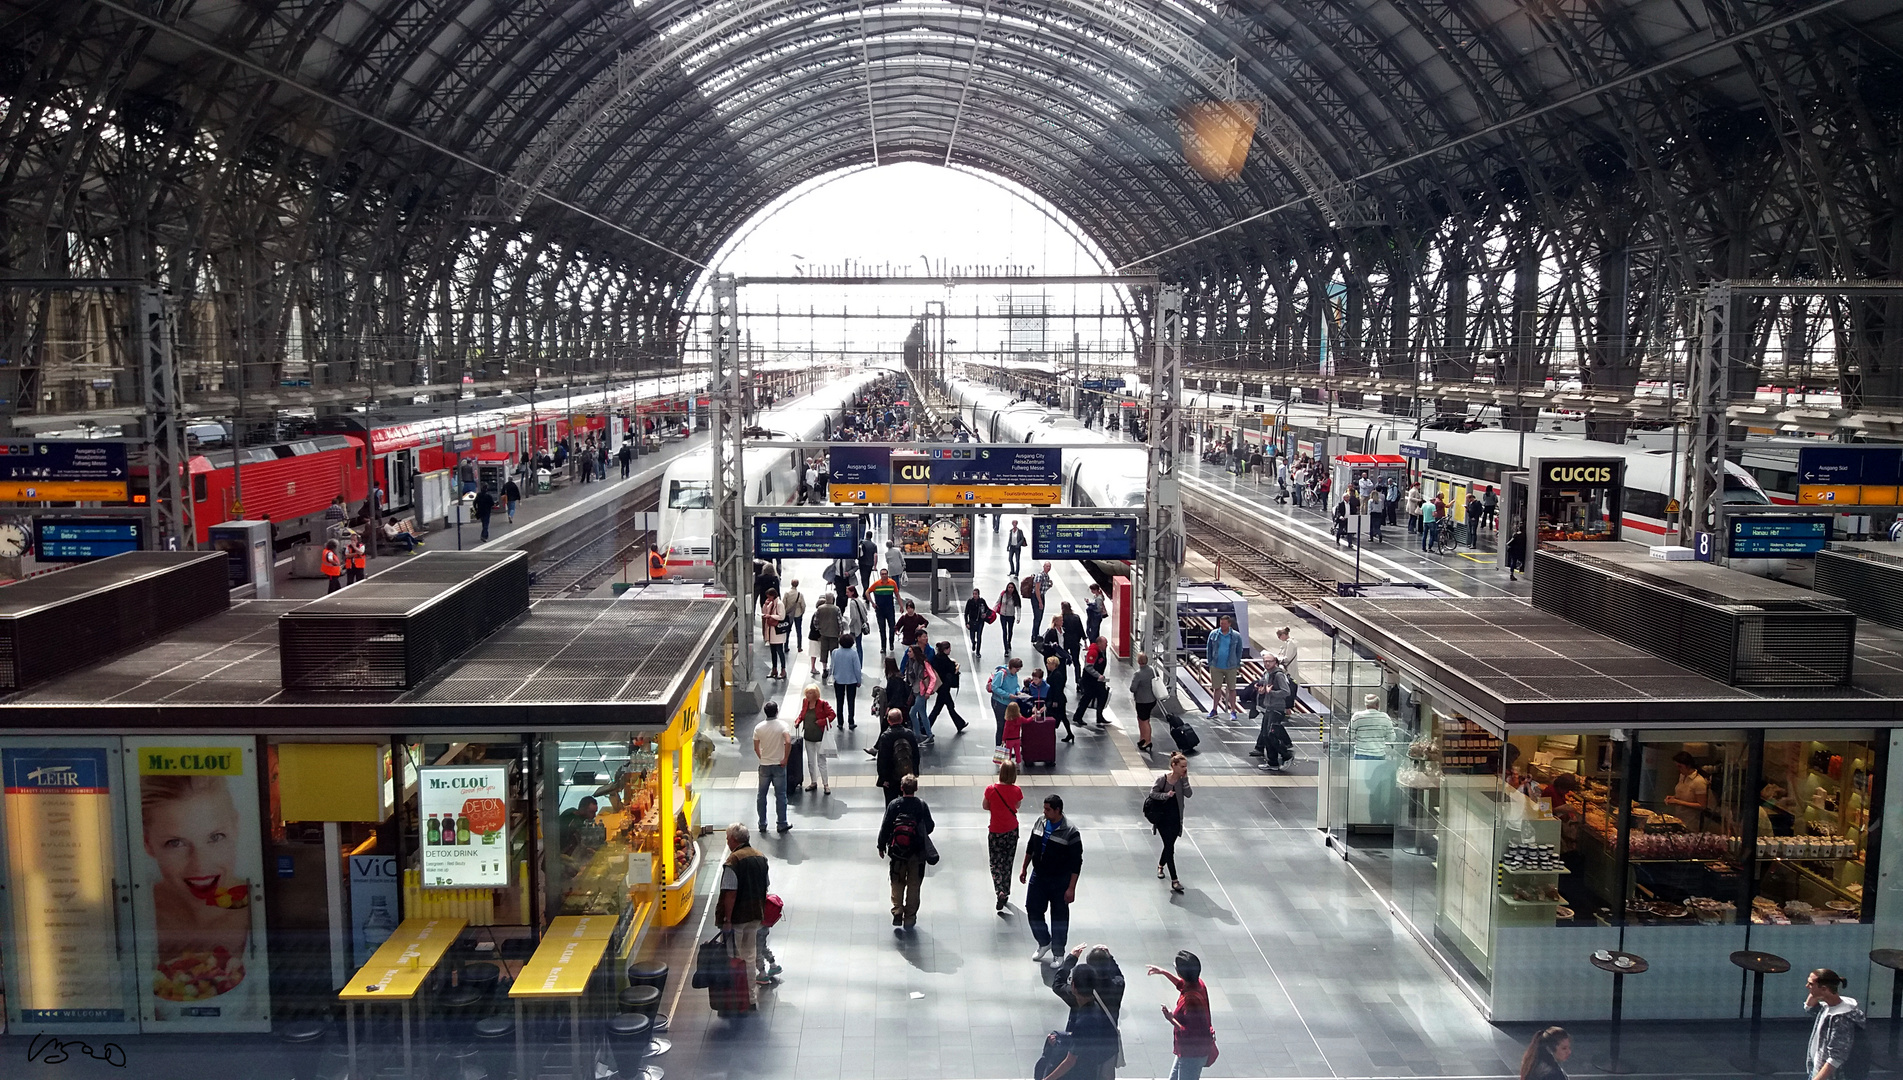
x: 63, y: 966
x: 465, y: 823
x: 198, y: 900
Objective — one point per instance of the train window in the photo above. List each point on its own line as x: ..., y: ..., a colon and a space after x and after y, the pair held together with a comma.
x: 198, y: 487
x: 1648, y: 504
x: 360, y: 457
x: 690, y: 495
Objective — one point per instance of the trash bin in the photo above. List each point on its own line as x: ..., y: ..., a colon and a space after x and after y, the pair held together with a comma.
x: 307, y: 560
x: 941, y: 592
x: 542, y: 477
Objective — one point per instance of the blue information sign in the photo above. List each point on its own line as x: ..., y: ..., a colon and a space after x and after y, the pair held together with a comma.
x: 1083, y: 538
x: 992, y: 464
x: 1841, y: 466
x: 1786, y: 537
x: 860, y: 466
x: 85, y: 539
x: 805, y: 537
x: 65, y: 459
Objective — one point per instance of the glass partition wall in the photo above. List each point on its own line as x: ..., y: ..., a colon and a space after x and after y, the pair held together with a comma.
x: 1516, y: 855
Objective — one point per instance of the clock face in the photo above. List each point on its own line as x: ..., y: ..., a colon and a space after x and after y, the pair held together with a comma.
x: 945, y: 537
x: 13, y: 540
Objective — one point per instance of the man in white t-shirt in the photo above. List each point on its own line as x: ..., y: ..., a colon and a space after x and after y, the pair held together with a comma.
x: 772, y: 742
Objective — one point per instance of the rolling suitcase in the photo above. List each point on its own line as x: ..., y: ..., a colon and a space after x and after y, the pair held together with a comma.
x: 1039, y: 740
x: 1185, y: 736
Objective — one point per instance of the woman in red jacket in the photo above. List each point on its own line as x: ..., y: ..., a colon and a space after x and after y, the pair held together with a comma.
x: 1195, y: 1041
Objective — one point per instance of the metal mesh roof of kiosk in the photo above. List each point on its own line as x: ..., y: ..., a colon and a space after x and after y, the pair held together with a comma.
x: 567, y: 664
x: 1518, y: 664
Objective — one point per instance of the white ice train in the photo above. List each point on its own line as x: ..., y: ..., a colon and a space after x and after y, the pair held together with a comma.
x: 1110, y: 477
x: 772, y: 476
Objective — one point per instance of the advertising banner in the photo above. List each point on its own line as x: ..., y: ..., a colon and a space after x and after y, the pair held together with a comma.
x: 465, y: 823
x: 374, y: 887
x: 198, y: 872
x: 63, y: 964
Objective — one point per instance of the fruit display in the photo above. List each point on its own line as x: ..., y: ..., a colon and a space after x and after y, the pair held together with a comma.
x: 197, y: 974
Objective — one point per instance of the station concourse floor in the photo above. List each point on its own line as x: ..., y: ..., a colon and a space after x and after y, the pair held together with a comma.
x: 1310, y: 975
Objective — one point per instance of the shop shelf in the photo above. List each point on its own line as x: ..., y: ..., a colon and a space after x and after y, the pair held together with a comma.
x: 1511, y: 902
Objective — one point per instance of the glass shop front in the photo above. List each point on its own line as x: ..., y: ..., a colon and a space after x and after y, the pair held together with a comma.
x: 1516, y: 854
x: 234, y: 882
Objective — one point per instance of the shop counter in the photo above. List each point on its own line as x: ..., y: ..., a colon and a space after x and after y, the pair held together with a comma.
x: 562, y: 968
x: 398, y: 971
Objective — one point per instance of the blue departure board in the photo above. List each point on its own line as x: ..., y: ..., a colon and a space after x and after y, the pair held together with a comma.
x: 1083, y: 538
x: 805, y: 537
x: 1784, y: 537
x: 85, y: 539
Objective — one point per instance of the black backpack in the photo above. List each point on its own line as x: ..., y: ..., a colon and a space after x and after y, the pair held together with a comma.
x: 1160, y: 809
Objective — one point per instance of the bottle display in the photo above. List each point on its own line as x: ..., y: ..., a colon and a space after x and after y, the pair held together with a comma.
x: 433, y: 833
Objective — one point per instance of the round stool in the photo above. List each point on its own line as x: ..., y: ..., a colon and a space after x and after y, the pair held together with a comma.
x: 1620, y: 964
x: 494, y: 1041
x: 334, y: 1065
x: 628, y: 1035
x: 650, y: 973
x: 645, y: 1000
x: 482, y: 976
x: 300, y: 1038
x: 457, y: 1008
x: 465, y: 1063
x: 1759, y: 964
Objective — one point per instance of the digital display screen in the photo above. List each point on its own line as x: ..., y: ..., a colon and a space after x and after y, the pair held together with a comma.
x: 85, y: 539
x: 805, y: 538
x: 1083, y: 538
x: 1785, y: 537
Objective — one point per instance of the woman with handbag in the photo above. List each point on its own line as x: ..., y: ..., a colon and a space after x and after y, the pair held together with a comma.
x: 773, y: 631
x: 1194, y: 1041
x: 813, y: 719
x: 1007, y: 608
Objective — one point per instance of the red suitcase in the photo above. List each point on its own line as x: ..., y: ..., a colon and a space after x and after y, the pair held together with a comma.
x: 1039, y: 744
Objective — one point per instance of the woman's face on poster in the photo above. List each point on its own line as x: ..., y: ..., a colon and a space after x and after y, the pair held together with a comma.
x: 195, y: 841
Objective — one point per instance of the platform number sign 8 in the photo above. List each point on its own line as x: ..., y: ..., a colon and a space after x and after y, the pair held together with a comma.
x: 1701, y: 547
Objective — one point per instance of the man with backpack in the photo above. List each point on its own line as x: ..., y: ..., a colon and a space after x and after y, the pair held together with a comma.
x: 905, y: 843
x: 1273, y: 695
x: 896, y: 753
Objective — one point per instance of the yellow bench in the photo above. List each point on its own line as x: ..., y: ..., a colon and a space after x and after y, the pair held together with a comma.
x: 562, y: 968
x: 397, y: 971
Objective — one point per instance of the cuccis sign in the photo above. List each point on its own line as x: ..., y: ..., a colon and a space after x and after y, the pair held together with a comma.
x: 1580, y: 472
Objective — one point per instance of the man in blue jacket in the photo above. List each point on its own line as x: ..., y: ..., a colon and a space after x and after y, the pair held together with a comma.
x: 1224, y: 652
x: 1053, y: 859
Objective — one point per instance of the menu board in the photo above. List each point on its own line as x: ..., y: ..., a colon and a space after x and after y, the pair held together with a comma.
x: 198, y: 870
x: 63, y: 967
x: 465, y: 823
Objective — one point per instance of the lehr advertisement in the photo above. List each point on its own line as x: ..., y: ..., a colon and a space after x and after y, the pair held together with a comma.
x: 63, y: 966
x: 465, y: 822
x: 198, y: 873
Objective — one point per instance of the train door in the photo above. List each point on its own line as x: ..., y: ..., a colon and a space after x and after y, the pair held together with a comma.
x: 400, y: 471
x: 1513, y: 503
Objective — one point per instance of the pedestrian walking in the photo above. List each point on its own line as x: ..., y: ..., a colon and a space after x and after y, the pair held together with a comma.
x: 905, y: 842
x: 895, y: 754
x: 922, y: 680
x: 1286, y: 653
x: 794, y: 602
x: 911, y: 627
x: 1098, y: 961
x: 1546, y: 1053
x: 1516, y: 552
x: 977, y: 614
x: 772, y: 745
x: 485, y: 505
x: 1833, y: 1050
x: 773, y: 632
x: 868, y: 560
x: 824, y: 633
x: 948, y: 673
x: 744, y: 880
x: 815, y: 716
x: 858, y: 619
x: 1092, y: 693
x: 1163, y: 808
x: 1033, y: 594
x: 885, y: 601
x: 1474, y: 510
x: 895, y: 692
x: 627, y: 459
x: 1053, y: 859
x: 1489, y: 508
x: 1002, y: 800
x: 1377, y: 505
x: 1223, y: 651
x: 1056, y: 702
x: 1143, y: 694
x: 895, y: 561
x: 1074, y: 636
x: 1014, y: 546
x: 847, y: 671
x: 1193, y: 1032
x: 1007, y: 609
x: 1003, y: 686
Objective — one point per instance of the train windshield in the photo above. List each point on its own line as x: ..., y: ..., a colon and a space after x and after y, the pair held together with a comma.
x: 690, y: 495
x: 1742, y: 487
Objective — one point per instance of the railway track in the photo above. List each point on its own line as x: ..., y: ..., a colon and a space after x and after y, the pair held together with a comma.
x: 1272, y: 574
x: 582, y: 558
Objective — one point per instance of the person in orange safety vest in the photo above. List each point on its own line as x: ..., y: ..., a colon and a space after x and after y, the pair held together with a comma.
x: 333, y: 566
x: 657, y: 563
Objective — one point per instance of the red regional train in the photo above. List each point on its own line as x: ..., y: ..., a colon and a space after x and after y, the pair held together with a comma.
x: 295, y: 481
